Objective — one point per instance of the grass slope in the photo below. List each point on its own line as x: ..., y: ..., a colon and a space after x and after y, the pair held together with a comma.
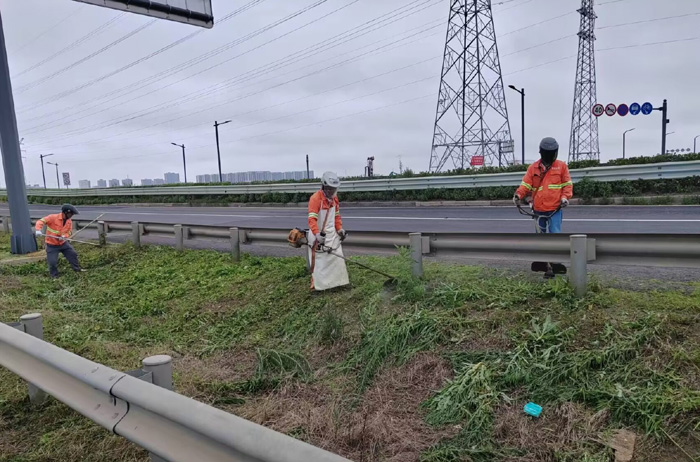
x: 434, y: 370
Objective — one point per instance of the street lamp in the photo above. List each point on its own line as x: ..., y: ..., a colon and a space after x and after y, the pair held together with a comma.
x: 218, y: 151
x: 623, y: 141
x: 522, y: 117
x: 43, y: 175
x: 184, y: 164
x: 58, y: 182
x: 695, y: 144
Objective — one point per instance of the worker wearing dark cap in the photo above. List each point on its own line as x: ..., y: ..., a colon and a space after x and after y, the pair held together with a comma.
x: 59, y: 227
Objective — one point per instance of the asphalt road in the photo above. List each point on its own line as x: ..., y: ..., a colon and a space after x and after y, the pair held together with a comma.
x: 577, y: 219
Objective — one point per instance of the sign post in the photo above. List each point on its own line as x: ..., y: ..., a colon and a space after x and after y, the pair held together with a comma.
x: 66, y: 179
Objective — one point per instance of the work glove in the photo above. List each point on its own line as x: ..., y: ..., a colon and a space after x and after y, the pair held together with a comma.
x: 342, y: 234
x: 320, y: 239
x: 564, y: 202
x: 38, y: 233
x: 516, y: 200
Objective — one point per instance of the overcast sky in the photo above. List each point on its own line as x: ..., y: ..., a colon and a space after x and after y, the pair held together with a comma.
x: 340, y: 81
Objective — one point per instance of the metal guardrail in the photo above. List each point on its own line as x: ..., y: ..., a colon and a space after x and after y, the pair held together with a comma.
x: 170, y: 426
x: 666, y: 170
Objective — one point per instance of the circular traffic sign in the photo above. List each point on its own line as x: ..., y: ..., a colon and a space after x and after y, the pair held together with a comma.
x: 598, y: 110
x: 647, y: 108
x: 635, y: 108
x: 610, y: 110
x: 622, y: 110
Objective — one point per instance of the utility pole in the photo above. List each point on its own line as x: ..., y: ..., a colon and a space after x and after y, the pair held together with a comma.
x: 58, y: 182
x: 664, y: 122
x: 308, y: 172
x: 695, y: 144
x: 522, y: 116
x: 184, y: 163
x: 43, y: 174
x: 218, y: 151
x: 23, y: 239
x: 624, y: 141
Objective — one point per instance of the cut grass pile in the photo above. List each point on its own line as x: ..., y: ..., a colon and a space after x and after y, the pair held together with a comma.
x: 432, y: 370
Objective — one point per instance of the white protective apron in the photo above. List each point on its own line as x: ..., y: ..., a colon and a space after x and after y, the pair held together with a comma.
x: 329, y: 271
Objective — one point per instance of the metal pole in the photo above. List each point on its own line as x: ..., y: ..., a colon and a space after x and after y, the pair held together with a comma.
x: 695, y: 144
x: 308, y: 172
x: 522, y: 108
x: 58, y: 181
x: 23, y: 240
x: 664, y: 122
x: 184, y: 162
x: 579, y: 263
x: 33, y: 325
x: 136, y: 233
x: 43, y: 175
x: 218, y: 150
x: 179, y: 238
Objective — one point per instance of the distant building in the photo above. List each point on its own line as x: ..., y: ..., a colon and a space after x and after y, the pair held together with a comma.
x: 146, y: 182
x: 84, y: 184
x: 172, y: 178
x: 127, y: 182
x: 158, y: 182
x: 101, y: 183
x: 113, y: 183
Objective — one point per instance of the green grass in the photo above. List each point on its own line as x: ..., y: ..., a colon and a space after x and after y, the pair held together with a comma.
x: 249, y: 337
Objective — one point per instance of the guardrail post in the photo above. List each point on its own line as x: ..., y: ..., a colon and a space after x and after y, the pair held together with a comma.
x: 33, y: 325
x: 579, y: 264
x: 161, y: 369
x: 416, y: 254
x: 74, y: 226
x: 235, y: 244
x: 5, y: 224
x: 102, y: 232
x: 136, y: 233
x: 179, y: 238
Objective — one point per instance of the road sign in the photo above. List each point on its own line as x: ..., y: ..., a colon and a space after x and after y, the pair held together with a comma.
x: 622, y: 110
x: 647, y: 108
x: 477, y: 161
x: 610, y: 110
x: 635, y: 108
x: 194, y: 12
x: 66, y: 179
x: 598, y: 110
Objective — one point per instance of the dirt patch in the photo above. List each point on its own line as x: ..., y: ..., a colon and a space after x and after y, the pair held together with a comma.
x: 565, y: 427
x: 387, y: 425
x: 226, y: 366
x: 650, y: 449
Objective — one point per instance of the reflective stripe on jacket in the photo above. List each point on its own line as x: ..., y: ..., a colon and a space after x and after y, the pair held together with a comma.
x: 55, y: 227
x: 546, y: 187
x: 319, y: 201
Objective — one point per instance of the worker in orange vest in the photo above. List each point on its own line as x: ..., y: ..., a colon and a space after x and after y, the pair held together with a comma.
x: 59, y: 227
x: 327, y: 268
x: 549, y: 182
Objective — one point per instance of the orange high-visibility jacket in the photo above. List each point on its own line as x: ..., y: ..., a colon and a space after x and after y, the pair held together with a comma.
x: 548, y: 192
x: 318, y: 202
x: 55, y: 226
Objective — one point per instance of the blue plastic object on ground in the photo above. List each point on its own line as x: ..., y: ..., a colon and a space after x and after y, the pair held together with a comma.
x: 533, y: 409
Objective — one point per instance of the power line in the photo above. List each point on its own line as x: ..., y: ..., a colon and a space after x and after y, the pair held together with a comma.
x: 133, y: 63
x: 200, y: 94
x: 87, y: 58
x: 649, y: 20
x: 98, y: 30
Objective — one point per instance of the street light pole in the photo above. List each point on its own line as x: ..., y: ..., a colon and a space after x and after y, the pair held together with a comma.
x: 23, y: 240
x: 522, y: 116
x: 624, y: 141
x: 58, y: 182
x: 218, y: 151
x: 43, y: 174
x: 695, y: 144
x: 184, y: 163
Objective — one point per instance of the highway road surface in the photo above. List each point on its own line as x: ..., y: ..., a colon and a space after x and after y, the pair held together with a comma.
x: 577, y: 219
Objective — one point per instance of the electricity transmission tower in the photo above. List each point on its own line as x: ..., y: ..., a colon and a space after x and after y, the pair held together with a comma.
x: 583, y: 144
x: 471, y: 119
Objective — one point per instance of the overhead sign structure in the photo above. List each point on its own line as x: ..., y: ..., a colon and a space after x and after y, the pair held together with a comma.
x: 477, y: 161
x: 635, y: 108
x: 598, y: 110
x: 623, y: 110
x: 194, y: 12
x: 647, y: 108
x: 610, y: 110
x: 66, y: 179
